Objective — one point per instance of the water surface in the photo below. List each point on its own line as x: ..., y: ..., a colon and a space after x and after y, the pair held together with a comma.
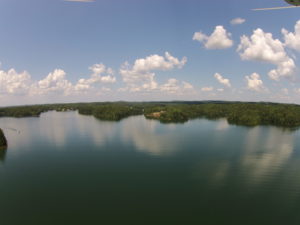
x: 65, y: 168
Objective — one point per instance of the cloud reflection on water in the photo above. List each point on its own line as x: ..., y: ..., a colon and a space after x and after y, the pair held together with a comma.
x: 55, y: 128
x: 150, y: 136
x: 98, y: 131
x: 250, y: 159
x: 16, y: 131
x: 264, y: 152
x: 222, y: 124
x: 63, y: 128
x: 267, y: 150
x: 52, y: 125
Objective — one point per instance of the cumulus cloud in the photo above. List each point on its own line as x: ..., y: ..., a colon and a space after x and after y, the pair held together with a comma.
x: 262, y: 47
x: 157, y: 62
x: 254, y: 82
x: 141, y: 75
x: 219, y: 39
x: 173, y: 86
x: 100, y: 74
x: 99, y: 69
x: 54, y: 82
x: 56, y: 86
x: 14, y: 83
x: 187, y: 86
x: 222, y: 80
x: 237, y: 21
x: 292, y: 40
x: 207, y: 89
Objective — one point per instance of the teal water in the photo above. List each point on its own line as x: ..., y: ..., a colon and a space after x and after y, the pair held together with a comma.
x: 64, y: 168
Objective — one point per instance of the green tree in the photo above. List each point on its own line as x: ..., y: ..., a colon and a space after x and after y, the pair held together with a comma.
x: 3, y: 141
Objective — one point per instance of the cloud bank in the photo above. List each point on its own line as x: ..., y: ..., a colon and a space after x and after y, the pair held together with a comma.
x: 141, y: 76
x: 263, y: 47
x: 56, y: 82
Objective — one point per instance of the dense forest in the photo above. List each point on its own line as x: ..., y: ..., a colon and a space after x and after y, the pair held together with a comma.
x: 239, y: 113
x: 248, y: 114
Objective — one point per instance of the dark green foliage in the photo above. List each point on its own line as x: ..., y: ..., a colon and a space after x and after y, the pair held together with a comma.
x: 172, y: 114
x: 3, y: 142
x: 104, y: 111
x: 110, y: 111
x: 32, y: 111
x: 247, y: 114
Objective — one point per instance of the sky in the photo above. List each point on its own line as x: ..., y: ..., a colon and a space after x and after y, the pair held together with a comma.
x: 55, y: 51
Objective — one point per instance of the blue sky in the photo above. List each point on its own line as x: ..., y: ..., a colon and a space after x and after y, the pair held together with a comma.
x: 65, y: 51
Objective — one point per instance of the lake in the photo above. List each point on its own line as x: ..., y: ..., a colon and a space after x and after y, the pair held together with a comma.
x: 64, y: 168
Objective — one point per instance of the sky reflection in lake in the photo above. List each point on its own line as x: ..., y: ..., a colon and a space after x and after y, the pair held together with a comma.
x: 202, y: 166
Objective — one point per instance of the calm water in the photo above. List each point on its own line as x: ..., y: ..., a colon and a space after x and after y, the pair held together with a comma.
x: 64, y: 168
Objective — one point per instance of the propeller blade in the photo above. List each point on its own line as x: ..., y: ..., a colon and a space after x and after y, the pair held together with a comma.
x: 275, y: 8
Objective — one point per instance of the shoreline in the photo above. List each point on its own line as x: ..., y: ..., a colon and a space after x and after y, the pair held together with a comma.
x: 236, y: 113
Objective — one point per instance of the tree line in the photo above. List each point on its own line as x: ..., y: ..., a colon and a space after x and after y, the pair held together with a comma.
x: 239, y: 113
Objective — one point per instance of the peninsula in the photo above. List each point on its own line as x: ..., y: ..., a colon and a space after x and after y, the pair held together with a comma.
x: 238, y: 113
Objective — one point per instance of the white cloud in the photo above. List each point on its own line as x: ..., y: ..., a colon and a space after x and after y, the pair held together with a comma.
x: 20, y: 88
x: 157, y: 62
x: 13, y: 83
x: 262, y: 47
x: 222, y: 80
x: 55, y: 82
x: 98, y: 69
x: 108, y: 79
x: 292, y: 40
x: 173, y: 86
x: 254, y: 82
x: 219, y: 39
x: 97, y: 77
x: 187, y: 86
x: 237, y: 21
x: 207, y: 89
x: 199, y: 36
x: 141, y: 76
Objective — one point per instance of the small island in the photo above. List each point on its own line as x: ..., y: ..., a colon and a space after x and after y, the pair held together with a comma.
x: 3, y: 141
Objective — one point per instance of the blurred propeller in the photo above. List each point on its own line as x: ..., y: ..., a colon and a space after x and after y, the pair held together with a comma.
x: 275, y: 8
